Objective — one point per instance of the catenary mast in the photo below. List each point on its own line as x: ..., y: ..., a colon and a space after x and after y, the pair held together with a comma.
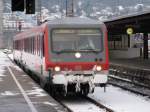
x: 1, y: 24
x: 69, y: 8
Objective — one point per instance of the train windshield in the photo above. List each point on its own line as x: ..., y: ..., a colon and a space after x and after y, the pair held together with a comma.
x: 72, y: 40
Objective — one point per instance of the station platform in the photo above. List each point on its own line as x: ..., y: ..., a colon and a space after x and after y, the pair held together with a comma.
x: 19, y: 93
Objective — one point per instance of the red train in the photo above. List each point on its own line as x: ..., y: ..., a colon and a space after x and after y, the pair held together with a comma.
x: 67, y: 55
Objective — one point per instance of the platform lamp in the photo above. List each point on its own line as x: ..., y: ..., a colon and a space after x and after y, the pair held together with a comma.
x: 129, y: 32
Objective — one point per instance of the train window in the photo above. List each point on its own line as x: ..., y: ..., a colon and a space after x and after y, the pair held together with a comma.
x: 26, y: 45
x: 37, y: 45
x: 18, y: 45
x: 22, y: 44
x: 15, y: 44
x: 32, y: 45
x: 84, y: 40
x: 43, y: 45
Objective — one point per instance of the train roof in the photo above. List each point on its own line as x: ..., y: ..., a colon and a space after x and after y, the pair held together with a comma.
x: 74, y: 21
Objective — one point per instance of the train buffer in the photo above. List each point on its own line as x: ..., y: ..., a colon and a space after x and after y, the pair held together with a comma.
x: 19, y: 93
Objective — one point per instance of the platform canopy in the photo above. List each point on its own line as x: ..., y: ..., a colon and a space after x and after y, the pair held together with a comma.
x: 139, y: 22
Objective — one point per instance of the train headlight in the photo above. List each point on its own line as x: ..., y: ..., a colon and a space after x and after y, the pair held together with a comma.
x: 98, y: 68
x: 57, y: 68
x: 78, y: 55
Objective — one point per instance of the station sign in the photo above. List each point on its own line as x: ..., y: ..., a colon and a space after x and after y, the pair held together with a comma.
x: 137, y: 40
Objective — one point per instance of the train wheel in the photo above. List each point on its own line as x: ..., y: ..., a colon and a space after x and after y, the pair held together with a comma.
x: 52, y: 90
x: 42, y: 84
x: 85, y: 90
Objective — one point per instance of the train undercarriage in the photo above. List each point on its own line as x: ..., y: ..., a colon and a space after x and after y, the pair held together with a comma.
x: 76, y: 84
x: 66, y: 84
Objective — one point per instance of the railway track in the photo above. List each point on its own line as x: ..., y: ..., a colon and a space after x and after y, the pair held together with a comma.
x: 86, y: 104
x: 93, y: 106
x: 129, y: 85
x: 82, y: 104
x: 100, y: 105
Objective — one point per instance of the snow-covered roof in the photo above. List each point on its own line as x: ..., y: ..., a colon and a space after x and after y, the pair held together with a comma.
x: 75, y: 21
x: 128, y: 16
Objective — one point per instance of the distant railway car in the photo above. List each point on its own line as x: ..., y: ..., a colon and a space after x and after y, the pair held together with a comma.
x: 68, y: 54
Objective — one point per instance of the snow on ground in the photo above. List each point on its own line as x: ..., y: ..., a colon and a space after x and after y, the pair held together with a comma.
x: 9, y: 93
x: 38, y: 92
x: 11, y: 56
x: 120, y: 100
x: 115, y: 98
x: 81, y: 105
x: 3, y: 62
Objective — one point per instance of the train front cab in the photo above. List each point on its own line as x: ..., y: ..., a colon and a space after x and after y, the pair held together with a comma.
x: 77, y: 57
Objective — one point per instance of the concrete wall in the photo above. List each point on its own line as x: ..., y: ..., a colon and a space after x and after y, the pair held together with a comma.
x: 128, y: 53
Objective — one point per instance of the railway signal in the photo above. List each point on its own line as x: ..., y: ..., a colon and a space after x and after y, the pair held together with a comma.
x: 69, y: 8
x: 17, y: 5
x: 20, y: 5
x: 30, y: 6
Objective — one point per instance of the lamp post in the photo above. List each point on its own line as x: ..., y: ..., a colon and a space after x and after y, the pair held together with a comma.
x: 38, y: 10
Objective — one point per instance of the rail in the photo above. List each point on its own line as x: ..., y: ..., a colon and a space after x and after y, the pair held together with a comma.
x: 84, y: 99
x: 134, y: 74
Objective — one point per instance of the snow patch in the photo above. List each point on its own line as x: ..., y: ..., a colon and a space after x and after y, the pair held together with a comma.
x: 8, y: 93
x: 48, y: 103
x: 3, y: 63
x: 37, y: 92
x: 17, y: 67
x: 2, y: 72
x: 120, y: 100
x: 11, y: 56
x: 1, y: 79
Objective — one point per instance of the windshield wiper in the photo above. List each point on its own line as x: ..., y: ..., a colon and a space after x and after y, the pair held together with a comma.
x: 82, y: 50
x: 90, y: 50
x: 64, y: 50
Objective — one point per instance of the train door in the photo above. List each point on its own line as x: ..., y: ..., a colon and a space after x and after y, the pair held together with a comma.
x: 42, y: 51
